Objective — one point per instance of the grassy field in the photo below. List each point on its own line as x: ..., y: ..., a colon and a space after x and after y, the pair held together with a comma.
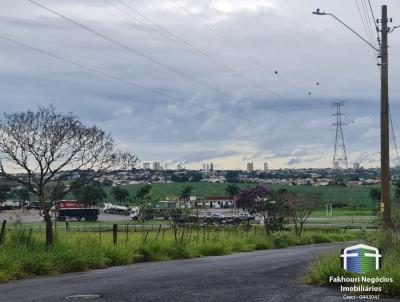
x: 389, y: 246
x: 358, y: 195
x: 23, y: 254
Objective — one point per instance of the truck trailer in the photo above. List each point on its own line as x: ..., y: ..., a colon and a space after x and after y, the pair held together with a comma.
x: 71, y: 209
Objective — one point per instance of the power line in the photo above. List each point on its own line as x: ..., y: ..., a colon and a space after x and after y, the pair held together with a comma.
x: 374, y: 19
x: 119, y: 79
x: 367, y: 29
x: 228, y: 42
x: 170, y: 35
x: 367, y: 16
x: 394, y: 137
x: 233, y: 45
x: 165, y: 32
x: 158, y: 62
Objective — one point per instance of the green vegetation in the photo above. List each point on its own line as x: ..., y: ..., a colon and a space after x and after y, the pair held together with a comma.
x: 91, y: 194
x: 339, y: 195
x: 120, y: 194
x: 23, y: 254
x: 388, y: 244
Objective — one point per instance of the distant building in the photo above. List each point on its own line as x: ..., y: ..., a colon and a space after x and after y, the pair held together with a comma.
x: 146, y: 166
x: 213, y: 202
x: 265, y: 166
x: 356, y: 166
x: 179, y: 167
x: 157, y: 166
x: 250, y: 167
x: 208, y: 167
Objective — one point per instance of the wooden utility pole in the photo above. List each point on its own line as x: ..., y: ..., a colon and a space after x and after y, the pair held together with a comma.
x: 385, y: 166
x: 386, y: 212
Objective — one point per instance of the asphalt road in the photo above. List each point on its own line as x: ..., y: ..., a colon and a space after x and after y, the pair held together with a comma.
x: 271, y: 275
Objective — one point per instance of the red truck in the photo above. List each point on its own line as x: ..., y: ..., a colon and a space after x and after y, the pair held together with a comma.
x: 71, y: 209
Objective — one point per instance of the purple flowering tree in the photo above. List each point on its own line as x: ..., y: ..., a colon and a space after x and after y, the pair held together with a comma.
x: 263, y: 201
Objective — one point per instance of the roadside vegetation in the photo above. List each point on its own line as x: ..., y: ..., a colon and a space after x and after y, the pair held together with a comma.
x: 389, y: 245
x: 24, y: 254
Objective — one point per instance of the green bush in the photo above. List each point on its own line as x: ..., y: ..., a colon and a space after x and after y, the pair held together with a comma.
x: 319, y: 238
x: 281, y: 239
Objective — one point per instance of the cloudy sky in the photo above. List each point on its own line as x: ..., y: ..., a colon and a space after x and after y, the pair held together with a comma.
x: 194, y: 81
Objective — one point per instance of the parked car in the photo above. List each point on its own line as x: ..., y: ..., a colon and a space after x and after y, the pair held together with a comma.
x: 246, y: 217
x: 215, y: 218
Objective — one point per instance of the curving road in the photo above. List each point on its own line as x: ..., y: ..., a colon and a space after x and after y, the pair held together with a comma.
x: 270, y: 275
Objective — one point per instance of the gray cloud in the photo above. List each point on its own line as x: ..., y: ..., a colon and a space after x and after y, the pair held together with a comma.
x: 189, y: 126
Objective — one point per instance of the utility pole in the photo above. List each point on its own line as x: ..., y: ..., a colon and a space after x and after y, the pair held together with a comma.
x: 385, y: 165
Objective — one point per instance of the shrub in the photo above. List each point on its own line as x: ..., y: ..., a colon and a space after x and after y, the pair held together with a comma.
x: 281, y: 239
x: 330, y: 264
x: 319, y: 238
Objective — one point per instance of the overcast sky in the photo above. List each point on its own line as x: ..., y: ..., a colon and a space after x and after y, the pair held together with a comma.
x: 212, y: 92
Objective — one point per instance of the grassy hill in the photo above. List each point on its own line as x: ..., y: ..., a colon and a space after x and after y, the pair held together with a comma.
x: 357, y: 195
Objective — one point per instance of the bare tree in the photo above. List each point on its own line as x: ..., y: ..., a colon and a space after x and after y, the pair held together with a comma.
x: 300, y: 207
x: 41, y: 150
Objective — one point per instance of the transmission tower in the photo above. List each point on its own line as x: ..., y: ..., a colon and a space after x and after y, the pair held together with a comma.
x: 339, y: 153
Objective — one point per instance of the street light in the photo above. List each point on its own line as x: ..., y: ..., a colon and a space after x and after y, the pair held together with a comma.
x: 319, y: 13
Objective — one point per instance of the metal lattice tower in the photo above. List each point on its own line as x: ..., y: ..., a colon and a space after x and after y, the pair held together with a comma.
x: 339, y: 153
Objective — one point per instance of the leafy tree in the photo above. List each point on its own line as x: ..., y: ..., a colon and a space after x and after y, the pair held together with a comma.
x: 195, y: 176
x: 49, y: 147
x: 179, y: 177
x: 232, y: 190
x: 120, y: 194
x: 91, y: 195
x: 141, y: 193
x: 154, y: 195
x: 232, y: 176
x: 107, y: 182
x: 264, y: 202
x: 300, y: 207
x: 186, y: 192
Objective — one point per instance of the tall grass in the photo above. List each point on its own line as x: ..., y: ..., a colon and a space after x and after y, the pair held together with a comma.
x: 388, y: 244
x: 24, y: 254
